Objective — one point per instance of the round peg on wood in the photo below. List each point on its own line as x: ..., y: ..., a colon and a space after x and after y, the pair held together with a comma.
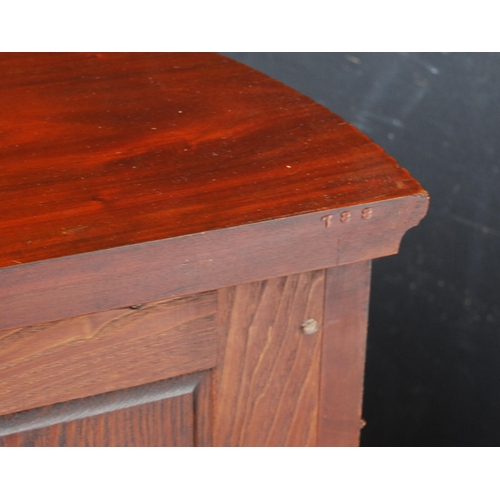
x: 309, y: 326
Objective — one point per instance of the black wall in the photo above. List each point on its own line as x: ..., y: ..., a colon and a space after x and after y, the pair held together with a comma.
x: 433, y: 359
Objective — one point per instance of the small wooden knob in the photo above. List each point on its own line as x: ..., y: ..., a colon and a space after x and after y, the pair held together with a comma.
x: 309, y: 326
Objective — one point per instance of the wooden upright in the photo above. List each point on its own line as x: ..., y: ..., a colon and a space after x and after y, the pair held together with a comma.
x: 185, y: 248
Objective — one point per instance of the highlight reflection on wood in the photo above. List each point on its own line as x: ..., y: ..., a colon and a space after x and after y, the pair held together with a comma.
x: 106, y: 150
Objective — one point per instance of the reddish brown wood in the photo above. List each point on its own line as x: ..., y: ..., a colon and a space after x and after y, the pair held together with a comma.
x: 113, y: 278
x: 268, y: 370
x: 102, y: 352
x: 158, y: 414
x: 132, y: 179
x: 343, y: 354
x: 105, y: 150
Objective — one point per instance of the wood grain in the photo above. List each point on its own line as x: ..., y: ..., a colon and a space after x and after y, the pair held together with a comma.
x: 343, y: 354
x: 267, y: 378
x: 132, y: 179
x: 83, y: 356
x: 109, y: 279
x: 106, y: 150
x: 203, y: 410
x: 158, y: 414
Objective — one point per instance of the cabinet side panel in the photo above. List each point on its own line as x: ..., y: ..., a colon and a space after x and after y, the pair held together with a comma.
x: 267, y: 378
x: 160, y: 414
x: 343, y: 354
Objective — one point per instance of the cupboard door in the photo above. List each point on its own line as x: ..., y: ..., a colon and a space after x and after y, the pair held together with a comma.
x: 271, y: 363
x: 174, y: 412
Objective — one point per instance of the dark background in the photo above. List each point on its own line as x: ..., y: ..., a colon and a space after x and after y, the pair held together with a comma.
x: 433, y: 357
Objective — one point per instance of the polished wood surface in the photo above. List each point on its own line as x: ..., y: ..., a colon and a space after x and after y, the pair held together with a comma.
x: 77, y: 357
x: 104, y: 150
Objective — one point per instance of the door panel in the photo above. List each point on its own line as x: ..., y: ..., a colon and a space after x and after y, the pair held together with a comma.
x: 166, y: 413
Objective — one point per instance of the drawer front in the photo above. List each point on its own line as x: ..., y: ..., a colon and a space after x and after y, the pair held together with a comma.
x: 107, y: 351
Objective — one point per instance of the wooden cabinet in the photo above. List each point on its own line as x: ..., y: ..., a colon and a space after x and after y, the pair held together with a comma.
x: 185, y: 254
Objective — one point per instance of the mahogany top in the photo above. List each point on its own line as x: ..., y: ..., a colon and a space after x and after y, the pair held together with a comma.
x: 103, y: 150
